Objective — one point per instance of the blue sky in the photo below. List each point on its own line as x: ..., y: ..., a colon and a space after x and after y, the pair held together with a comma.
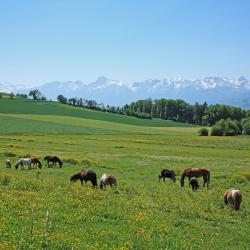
x: 127, y: 40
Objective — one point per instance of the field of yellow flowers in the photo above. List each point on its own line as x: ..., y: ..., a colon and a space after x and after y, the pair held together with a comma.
x: 40, y: 209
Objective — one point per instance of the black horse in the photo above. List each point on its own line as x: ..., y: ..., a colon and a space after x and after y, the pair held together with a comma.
x: 166, y: 173
x: 54, y: 159
x: 85, y: 175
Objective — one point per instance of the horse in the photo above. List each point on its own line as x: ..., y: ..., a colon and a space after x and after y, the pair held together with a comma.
x: 22, y: 162
x: 194, y: 183
x: 54, y: 159
x: 36, y: 162
x: 233, y: 197
x: 108, y: 179
x: 196, y: 172
x: 8, y: 163
x: 165, y: 173
x: 85, y: 175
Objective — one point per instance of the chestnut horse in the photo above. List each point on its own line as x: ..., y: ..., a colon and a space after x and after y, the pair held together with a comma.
x: 196, y: 172
x: 36, y: 162
x: 108, y: 179
x: 233, y: 197
x: 54, y: 159
x: 85, y: 175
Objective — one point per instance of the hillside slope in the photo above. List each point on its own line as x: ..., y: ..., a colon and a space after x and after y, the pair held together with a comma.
x: 27, y: 106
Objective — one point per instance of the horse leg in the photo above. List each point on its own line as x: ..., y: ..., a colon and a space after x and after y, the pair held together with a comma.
x: 164, y: 179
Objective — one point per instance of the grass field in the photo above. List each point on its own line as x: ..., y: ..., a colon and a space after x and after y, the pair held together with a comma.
x: 40, y: 209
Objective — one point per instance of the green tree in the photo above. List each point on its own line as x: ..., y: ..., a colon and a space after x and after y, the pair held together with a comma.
x: 36, y: 94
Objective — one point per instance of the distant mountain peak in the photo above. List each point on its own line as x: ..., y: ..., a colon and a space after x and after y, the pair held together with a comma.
x: 212, y: 89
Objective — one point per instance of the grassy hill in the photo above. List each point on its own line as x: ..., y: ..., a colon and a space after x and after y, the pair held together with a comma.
x: 40, y: 209
x: 27, y: 106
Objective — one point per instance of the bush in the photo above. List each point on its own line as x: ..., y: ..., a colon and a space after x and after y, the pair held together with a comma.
x: 226, y: 127
x: 231, y: 128
x: 245, y: 123
x: 203, y: 132
x: 217, y: 131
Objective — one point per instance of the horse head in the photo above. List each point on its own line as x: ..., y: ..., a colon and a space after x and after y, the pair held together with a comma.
x: 16, y: 166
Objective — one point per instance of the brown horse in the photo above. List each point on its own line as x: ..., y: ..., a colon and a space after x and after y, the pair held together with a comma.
x: 233, y: 197
x: 196, y: 172
x: 108, y: 179
x: 36, y: 162
x: 54, y: 159
x: 85, y: 175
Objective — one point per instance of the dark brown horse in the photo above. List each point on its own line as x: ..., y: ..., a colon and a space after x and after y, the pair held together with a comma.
x: 36, y: 162
x: 196, y: 172
x: 54, y: 159
x: 85, y: 175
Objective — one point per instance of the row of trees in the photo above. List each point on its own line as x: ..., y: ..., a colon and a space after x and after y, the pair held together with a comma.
x: 168, y: 109
x: 181, y: 111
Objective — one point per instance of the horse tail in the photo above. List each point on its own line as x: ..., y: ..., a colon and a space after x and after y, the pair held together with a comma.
x: 237, y: 201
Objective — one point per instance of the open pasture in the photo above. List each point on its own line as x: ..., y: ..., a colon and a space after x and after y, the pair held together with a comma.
x: 41, y: 209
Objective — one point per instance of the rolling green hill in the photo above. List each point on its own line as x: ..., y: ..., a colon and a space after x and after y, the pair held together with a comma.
x: 27, y: 106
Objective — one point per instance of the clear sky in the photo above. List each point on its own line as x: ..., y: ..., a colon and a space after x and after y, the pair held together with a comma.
x: 129, y: 40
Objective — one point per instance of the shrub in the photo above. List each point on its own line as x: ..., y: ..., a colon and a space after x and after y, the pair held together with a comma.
x: 203, y: 132
x: 217, y: 131
x: 231, y: 128
x: 226, y: 127
x: 245, y: 123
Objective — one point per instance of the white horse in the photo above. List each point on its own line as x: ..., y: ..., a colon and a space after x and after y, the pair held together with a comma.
x: 8, y: 163
x: 108, y: 179
x: 233, y: 197
x: 22, y: 162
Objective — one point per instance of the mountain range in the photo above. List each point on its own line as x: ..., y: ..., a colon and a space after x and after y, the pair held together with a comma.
x: 213, y: 90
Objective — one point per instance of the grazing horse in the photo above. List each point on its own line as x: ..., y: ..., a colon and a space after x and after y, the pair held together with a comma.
x: 22, y: 162
x: 196, y: 172
x: 165, y: 173
x: 108, y: 179
x: 36, y: 162
x: 85, y: 175
x: 233, y: 197
x: 8, y: 164
x: 54, y: 159
x: 194, y: 183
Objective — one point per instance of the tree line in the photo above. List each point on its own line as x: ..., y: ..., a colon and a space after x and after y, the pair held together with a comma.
x: 167, y: 109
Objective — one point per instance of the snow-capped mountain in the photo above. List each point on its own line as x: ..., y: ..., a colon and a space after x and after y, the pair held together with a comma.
x: 210, y: 89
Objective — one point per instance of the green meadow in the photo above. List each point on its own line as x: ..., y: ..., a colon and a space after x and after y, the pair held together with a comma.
x: 40, y: 209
